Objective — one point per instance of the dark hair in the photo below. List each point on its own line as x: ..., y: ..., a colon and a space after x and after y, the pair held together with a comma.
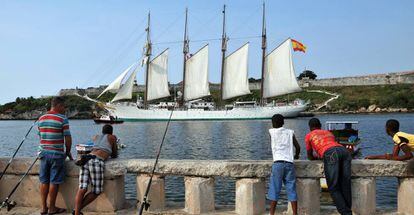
x: 278, y: 120
x: 314, y: 123
x: 107, y: 129
x: 393, y: 125
x: 58, y: 100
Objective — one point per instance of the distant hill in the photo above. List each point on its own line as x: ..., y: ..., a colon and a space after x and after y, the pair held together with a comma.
x: 353, y: 99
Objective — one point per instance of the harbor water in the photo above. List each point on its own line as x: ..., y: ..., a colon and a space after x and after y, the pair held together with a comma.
x: 215, y: 140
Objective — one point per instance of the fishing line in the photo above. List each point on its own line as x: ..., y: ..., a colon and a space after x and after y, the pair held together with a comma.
x: 18, y: 148
x: 145, y: 203
x: 10, y: 205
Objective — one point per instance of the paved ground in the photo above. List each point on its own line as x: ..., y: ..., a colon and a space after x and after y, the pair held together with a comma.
x: 133, y: 211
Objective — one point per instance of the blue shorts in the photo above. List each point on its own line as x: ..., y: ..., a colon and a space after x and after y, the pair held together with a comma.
x: 52, y: 169
x: 282, y: 172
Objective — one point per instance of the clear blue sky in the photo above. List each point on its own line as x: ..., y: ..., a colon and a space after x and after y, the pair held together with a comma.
x: 49, y: 45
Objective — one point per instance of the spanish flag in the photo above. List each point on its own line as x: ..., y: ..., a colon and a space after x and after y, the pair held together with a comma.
x: 298, y: 46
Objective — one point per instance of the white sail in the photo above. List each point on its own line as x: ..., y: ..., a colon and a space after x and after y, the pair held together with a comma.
x: 196, y: 75
x: 279, y: 77
x: 116, y: 84
x: 158, y: 77
x: 235, y: 74
x: 126, y: 90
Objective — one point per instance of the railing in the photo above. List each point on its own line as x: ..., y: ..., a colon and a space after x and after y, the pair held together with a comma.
x: 199, y: 184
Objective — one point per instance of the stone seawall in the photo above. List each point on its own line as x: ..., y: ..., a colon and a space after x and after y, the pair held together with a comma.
x: 199, y: 180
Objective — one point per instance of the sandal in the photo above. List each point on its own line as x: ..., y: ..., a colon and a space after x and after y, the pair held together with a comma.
x: 58, y: 211
x: 45, y: 212
x: 73, y: 212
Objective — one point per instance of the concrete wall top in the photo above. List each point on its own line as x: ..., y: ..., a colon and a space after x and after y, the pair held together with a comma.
x: 226, y: 168
x: 20, y: 165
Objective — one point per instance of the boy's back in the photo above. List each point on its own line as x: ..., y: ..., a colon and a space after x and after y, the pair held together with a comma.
x: 282, y: 144
x: 283, y: 170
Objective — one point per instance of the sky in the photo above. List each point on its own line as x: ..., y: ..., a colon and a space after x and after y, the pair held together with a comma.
x: 49, y: 45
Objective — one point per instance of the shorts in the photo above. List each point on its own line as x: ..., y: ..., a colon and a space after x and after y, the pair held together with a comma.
x: 92, y: 172
x: 52, y: 169
x: 282, y: 172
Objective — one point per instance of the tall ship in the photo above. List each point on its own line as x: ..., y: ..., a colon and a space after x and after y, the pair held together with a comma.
x: 277, y: 78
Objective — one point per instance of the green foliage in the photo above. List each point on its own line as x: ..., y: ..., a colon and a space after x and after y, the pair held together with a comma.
x: 22, y: 105
x: 307, y: 74
x: 352, y: 98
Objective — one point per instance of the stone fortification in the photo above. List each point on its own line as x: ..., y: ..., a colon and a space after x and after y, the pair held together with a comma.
x: 377, y: 79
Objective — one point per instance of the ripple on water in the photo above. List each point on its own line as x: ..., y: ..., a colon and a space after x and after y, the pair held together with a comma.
x: 213, y: 140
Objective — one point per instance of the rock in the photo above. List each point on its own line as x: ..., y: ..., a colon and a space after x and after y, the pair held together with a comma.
x: 362, y: 110
x: 404, y: 110
x: 377, y: 110
x: 372, y: 108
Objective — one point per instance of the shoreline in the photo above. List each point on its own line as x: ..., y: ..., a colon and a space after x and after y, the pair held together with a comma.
x: 304, y: 114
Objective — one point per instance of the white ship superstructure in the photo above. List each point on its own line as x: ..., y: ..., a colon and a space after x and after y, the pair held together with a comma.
x: 278, y: 78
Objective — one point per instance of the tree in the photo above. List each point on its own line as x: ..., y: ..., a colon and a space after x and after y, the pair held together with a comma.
x: 307, y: 74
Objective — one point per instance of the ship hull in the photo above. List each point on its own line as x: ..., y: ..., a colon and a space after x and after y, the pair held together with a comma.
x: 133, y: 113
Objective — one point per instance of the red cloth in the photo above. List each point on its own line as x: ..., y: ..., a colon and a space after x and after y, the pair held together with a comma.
x: 320, y: 141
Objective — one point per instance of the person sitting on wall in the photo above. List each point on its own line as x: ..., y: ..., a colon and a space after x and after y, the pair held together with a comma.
x: 282, y: 141
x: 93, y: 170
x: 402, y: 141
x: 337, y: 164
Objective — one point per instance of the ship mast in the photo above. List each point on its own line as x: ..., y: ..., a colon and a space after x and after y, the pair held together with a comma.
x: 147, y: 60
x: 223, y: 56
x: 185, y: 52
x: 263, y: 55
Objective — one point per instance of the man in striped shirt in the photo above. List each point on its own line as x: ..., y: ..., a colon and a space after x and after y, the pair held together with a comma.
x: 55, y: 145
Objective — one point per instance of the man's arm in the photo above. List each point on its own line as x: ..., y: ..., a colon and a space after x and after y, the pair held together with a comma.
x: 68, y: 146
x: 309, y: 149
x: 407, y: 153
x: 310, y: 154
x: 378, y: 157
x: 400, y: 145
x: 112, y: 140
x: 297, y: 147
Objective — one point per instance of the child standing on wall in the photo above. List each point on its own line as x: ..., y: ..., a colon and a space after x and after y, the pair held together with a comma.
x: 282, y: 141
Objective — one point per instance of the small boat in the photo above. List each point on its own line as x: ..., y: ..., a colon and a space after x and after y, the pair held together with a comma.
x: 347, y: 136
x: 107, y: 119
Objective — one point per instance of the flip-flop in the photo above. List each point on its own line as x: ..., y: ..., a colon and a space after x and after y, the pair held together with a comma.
x: 73, y: 212
x: 45, y: 213
x: 58, y: 211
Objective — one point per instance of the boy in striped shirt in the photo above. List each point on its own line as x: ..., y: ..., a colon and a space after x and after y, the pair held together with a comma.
x: 55, y: 145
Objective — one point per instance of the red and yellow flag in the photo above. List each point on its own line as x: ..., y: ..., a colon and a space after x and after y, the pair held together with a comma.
x: 298, y: 46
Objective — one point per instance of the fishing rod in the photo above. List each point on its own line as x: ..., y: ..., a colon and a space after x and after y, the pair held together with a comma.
x: 11, y: 204
x: 18, y: 148
x: 145, y: 203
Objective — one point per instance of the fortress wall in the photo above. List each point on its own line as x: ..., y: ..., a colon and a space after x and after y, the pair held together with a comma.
x: 379, y: 79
